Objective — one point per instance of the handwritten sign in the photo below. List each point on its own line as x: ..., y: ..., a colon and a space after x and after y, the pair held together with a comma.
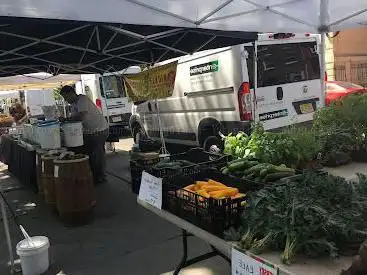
x: 243, y: 264
x: 151, y: 190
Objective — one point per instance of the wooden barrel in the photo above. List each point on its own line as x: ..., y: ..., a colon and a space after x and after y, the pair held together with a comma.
x: 39, y: 153
x: 75, y: 197
x: 43, y: 152
x: 47, y: 178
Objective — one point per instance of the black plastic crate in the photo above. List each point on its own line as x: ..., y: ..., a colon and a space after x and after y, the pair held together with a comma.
x: 135, y: 175
x: 149, y: 145
x: 212, y: 215
x: 199, y: 159
x: 136, y: 169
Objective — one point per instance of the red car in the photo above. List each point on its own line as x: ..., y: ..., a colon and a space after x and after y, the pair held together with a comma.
x: 338, y: 89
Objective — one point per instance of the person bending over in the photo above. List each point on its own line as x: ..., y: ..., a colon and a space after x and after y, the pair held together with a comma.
x: 95, y: 130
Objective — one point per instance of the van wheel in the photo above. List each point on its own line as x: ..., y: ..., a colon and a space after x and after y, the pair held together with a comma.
x: 138, y: 134
x: 213, y: 144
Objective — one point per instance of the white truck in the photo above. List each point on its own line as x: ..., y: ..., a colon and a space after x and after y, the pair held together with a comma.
x: 109, y: 95
x: 275, y: 80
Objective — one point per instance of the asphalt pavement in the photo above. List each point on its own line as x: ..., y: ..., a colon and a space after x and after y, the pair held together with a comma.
x: 124, y: 238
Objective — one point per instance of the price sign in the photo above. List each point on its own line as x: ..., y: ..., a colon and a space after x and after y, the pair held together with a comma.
x: 151, y: 190
x: 243, y: 264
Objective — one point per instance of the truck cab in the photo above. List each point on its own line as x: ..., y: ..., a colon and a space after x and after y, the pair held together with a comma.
x: 108, y: 93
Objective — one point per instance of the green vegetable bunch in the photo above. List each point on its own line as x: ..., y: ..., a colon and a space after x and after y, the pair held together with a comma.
x: 235, y: 145
x: 317, y: 215
x: 291, y: 146
x: 304, y: 144
x: 342, y: 126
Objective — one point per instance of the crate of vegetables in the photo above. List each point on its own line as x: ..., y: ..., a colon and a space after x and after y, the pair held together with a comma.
x: 136, y: 170
x: 188, y: 163
x: 141, y: 162
x: 257, y: 171
x: 208, y: 199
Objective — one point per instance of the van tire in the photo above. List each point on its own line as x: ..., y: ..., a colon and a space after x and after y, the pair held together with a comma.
x: 138, y: 133
x: 213, y: 144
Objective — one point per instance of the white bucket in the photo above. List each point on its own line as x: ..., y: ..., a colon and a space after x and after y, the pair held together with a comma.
x: 73, y: 134
x: 34, y: 256
x: 49, y: 135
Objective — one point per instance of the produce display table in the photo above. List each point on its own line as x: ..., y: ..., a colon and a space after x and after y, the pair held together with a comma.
x: 221, y: 247
x: 21, y: 161
x: 5, y: 148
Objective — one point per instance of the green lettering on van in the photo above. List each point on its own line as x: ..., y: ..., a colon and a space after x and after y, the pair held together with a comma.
x: 212, y: 66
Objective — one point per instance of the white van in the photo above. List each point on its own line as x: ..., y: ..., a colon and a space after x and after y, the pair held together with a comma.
x: 109, y: 95
x: 219, y: 91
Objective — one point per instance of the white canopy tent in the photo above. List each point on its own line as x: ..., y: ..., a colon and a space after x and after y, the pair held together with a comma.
x: 36, y: 81
x: 314, y: 16
x: 9, y: 94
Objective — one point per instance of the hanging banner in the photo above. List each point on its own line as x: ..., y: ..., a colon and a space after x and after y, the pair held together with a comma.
x: 153, y: 83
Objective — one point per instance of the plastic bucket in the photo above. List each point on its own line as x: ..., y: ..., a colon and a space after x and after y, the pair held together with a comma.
x: 73, y: 134
x: 49, y: 135
x: 34, y: 257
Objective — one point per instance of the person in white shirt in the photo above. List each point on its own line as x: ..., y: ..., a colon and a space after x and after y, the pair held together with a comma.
x: 95, y: 128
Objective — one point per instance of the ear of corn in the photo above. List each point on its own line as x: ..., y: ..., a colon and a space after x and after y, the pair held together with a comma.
x: 216, y: 183
x: 200, y: 184
x: 203, y: 193
x: 239, y: 195
x: 210, y: 188
x: 190, y: 187
x: 213, y: 189
x: 228, y: 192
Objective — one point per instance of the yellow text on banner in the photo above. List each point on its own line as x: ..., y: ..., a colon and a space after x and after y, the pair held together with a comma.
x: 153, y: 83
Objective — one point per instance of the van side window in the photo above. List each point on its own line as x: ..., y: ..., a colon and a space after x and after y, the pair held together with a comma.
x: 113, y: 86
x: 287, y: 63
x: 250, y: 65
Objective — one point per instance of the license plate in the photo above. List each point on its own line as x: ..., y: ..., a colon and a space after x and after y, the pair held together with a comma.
x: 306, y: 108
x: 116, y: 119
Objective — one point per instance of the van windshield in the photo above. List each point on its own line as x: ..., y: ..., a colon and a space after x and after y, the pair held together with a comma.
x: 112, y: 87
x: 287, y: 63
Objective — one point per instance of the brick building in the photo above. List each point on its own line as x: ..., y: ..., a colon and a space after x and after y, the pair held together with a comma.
x: 350, y: 56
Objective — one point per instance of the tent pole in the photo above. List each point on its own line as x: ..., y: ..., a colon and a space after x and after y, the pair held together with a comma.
x: 255, y: 79
x: 323, y: 29
x: 164, y: 149
x: 322, y: 67
x: 7, y: 234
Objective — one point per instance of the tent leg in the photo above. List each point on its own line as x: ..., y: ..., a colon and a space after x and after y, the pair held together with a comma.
x: 164, y: 149
x: 7, y: 235
x: 322, y: 67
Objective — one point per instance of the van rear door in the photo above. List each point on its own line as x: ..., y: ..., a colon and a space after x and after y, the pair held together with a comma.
x: 288, y: 82
x: 116, y: 106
